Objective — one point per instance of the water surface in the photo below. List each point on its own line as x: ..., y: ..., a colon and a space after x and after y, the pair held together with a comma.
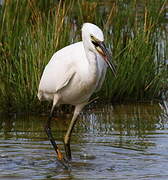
x: 119, y: 142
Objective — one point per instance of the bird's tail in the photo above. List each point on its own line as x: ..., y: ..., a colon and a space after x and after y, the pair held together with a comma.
x: 40, y: 95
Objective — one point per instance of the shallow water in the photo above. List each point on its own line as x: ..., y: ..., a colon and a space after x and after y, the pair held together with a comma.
x: 109, y: 142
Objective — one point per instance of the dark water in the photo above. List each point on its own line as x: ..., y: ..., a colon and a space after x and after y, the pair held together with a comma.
x: 109, y: 142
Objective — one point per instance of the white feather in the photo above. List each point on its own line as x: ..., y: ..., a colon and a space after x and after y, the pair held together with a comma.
x: 74, y: 72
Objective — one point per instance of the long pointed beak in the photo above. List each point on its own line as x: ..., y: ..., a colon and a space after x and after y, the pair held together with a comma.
x: 106, y: 55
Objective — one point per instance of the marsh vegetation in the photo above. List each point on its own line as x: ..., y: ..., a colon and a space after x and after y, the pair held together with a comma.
x: 31, y: 31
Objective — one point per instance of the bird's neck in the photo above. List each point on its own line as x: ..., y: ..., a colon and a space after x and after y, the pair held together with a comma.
x: 92, y: 61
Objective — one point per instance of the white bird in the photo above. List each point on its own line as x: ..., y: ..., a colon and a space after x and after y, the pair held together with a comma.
x: 72, y: 75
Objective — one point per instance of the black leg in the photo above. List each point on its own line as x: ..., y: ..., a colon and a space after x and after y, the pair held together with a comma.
x: 51, y: 138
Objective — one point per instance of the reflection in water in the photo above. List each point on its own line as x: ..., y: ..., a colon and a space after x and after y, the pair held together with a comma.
x: 121, y: 141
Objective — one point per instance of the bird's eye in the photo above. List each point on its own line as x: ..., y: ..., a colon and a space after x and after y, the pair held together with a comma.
x: 95, y: 43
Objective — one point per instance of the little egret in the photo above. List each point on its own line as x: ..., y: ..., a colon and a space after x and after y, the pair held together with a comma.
x: 71, y: 77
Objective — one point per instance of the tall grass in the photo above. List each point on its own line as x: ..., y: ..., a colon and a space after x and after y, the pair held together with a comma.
x: 31, y: 31
x: 29, y: 36
x: 138, y: 29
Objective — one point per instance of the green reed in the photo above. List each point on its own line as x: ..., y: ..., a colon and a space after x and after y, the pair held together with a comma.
x: 138, y: 31
x: 31, y: 31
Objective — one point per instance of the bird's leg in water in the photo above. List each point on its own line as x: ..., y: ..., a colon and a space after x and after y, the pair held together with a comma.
x: 67, y: 137
x: 50, y: 137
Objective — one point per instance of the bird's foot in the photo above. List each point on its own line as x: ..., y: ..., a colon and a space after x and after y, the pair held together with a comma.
x: 64, y: 162
x: 59, y: 155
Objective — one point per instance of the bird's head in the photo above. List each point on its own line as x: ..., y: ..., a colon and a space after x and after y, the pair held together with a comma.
x: 93, y: 37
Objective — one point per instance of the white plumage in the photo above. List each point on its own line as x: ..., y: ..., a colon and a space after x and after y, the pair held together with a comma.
x: 74, y: 73
x: 70, y: 75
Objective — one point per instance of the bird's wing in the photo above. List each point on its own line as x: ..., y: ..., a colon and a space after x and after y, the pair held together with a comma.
x: 56, y: 75
x: 65, y: 79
